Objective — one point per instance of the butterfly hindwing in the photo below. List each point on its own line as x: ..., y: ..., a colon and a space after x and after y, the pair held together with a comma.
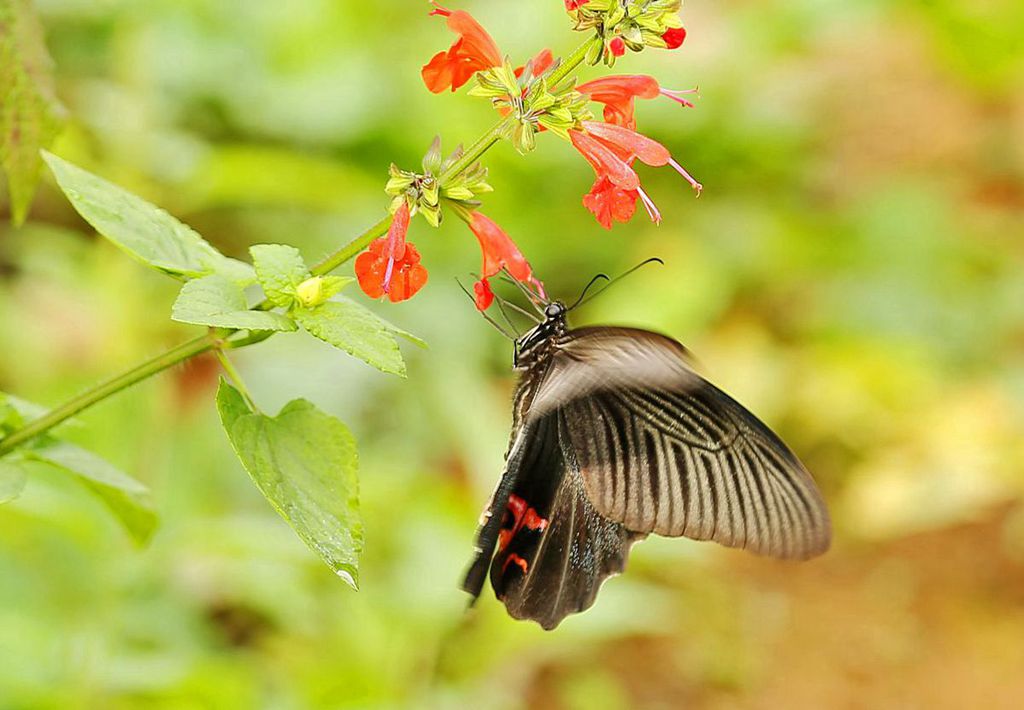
x: 553, y: 549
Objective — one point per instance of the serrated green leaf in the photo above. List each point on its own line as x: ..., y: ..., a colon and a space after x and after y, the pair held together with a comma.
x: 12, y: 479
x: 280, y: 269
x: 358, y: 331
x: 219, y: 302
x: 305, y: 463
x: 31, y: 117
x: 127, y: 498
x: 142, y: 229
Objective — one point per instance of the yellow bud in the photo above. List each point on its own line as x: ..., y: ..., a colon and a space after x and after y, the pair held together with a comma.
x: 311, y: 292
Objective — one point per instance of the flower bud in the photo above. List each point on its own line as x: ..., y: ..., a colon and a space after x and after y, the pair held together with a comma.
x: 311, y: 292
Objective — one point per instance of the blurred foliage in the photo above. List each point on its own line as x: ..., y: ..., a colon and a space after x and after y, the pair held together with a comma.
x: 853, y: 273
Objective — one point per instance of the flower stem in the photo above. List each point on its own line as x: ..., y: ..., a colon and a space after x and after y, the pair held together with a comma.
x: 216, y: 339
x: 86, y: 399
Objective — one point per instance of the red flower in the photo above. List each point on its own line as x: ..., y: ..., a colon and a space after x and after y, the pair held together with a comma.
x: 617, y: 46
x: 392, y: 265
x: 483, y: 295
x: 619, y: 92
x: 473, y: 51
x: 539, y: 65
x: 499, y: 252
x: 674, y: 37
x: 571, y: 5
x: 610, y: 202
x: 611, y: 149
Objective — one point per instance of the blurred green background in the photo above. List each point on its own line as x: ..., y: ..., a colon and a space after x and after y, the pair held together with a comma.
x: 853, y: 273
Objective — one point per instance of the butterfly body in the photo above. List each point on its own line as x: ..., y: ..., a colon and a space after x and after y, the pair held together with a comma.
x: 614, y: 437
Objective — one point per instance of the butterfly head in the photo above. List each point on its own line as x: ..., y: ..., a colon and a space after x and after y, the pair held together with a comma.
x: 536, y: 343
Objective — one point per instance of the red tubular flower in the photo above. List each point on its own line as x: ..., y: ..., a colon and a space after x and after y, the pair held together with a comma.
x: 617, y: 46
x: 605, y: 161
x: 649, y: 151
x: 473, y: 51
x: 392, y: 265
x: 618, y: 93
x: 611, y: 149
x: 499, y: 252
x: 674, y: 37
x: 571, y: 5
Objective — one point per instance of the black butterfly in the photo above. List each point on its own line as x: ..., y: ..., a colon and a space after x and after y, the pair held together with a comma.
x: 615, y: 437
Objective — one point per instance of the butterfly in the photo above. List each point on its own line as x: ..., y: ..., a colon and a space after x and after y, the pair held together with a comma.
x: 615, y: 436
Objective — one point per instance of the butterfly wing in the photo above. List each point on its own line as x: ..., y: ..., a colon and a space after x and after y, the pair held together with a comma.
x: 662, y: 450
x: 553, y: 548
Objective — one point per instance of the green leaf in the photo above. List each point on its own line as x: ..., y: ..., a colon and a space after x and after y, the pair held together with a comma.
x: 143, y: 230
x: 358, y: 331
x: 304, y: 462
x: 126, y: 497
x: 280, y: 269
x: 31, y: 117
x: 218, y: 301
x: 12, y: 479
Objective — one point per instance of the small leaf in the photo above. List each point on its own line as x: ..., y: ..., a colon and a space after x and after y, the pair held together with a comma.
x: 143, y: 230
x: 126, y: 497
x: 12, y: 479
x: 219, y: 302
x: 358, y: 331
x: 280, y: 269
x: 304, y: 462
x: 31, y: 117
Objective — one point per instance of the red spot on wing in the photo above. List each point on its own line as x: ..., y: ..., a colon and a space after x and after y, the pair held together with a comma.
x: 520, y: 515
x: 516, y: 559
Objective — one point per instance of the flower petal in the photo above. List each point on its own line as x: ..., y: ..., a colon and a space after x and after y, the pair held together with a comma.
x: 498, y: 249
x: 483, y: 295
x: 674, y: 37
x: 605, y: 161
x: 647, y: 150
x: 609, y: 202
x: 473, y: 51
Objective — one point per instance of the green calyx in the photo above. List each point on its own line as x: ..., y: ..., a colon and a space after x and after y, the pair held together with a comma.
x: 533, y: 102
x: 424, y: 191
x: 638, y: 23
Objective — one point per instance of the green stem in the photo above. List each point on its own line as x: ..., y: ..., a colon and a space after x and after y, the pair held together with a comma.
x: 336, y: 259
x: 236, y: 379
x: 216, y: 338
x: 112, y: 386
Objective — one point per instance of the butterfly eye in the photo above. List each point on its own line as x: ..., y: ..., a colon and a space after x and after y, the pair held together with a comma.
x: 553, y: 310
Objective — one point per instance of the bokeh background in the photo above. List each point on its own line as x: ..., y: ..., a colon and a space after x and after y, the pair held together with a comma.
x: 854, y: 273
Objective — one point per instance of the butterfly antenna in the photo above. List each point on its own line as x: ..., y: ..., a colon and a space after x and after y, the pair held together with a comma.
x: 487, y: 318
x: 587, y: 288
x: 581, y: 300
x: 535, y: 300
x: 521, y: 311
x: 504, y: 313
